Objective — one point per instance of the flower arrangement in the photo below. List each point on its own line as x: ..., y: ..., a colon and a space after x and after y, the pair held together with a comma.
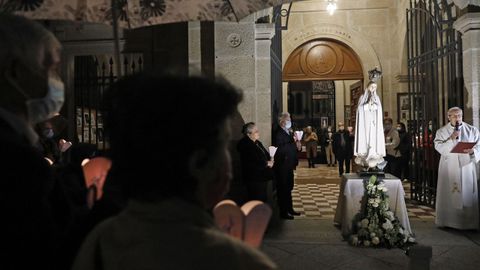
x: 375, y: 224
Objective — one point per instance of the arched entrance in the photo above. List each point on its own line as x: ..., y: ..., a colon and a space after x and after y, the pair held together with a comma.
x: 325, y: 79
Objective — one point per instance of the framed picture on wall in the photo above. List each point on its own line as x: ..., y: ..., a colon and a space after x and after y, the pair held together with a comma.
x: 403, y: 107
x: 324, y: 121
x: 347, y: 114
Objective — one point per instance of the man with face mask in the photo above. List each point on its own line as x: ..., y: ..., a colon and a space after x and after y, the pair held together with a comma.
x: 47, y: 143
x: 342, y: 147
x: 30, y: 92
x: 286, y: 161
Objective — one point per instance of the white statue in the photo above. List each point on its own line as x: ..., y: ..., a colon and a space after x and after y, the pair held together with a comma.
x: 369, y: 148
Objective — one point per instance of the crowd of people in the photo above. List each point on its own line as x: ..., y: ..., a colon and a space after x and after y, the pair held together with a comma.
x: 153, y: 206
x: 159, y: 191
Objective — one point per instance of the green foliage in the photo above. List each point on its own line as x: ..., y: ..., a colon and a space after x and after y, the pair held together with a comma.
x: 375, y: 224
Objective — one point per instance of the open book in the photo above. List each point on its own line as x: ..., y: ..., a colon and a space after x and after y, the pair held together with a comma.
x: 247, y: 223
x: 463, y: 147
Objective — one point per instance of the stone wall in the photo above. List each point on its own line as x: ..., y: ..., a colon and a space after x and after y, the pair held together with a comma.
x: 242, y: 56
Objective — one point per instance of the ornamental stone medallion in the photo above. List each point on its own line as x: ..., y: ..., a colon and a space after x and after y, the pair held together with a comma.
x: 234, y: 40
x: 321, y: 59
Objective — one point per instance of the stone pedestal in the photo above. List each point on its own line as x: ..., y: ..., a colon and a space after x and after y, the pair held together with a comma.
x: 469, y: 26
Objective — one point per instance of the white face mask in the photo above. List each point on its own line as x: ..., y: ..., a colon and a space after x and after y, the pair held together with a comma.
x: 41, y: 109
x: 288, y: 124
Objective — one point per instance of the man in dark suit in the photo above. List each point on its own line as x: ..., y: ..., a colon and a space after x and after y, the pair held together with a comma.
x: 286, y: 161
x: 30, y: 92
x: 342, y: 148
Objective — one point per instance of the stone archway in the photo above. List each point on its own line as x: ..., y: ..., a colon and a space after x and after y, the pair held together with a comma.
x: 361, y: 47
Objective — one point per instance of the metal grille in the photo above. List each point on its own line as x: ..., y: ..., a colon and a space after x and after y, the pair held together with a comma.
x: 435, y: 84
x: 93, y: 75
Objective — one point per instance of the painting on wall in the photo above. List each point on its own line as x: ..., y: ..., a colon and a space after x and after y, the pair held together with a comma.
x: 403, y: 107
x: 348, y: 115
x: 324, y: 121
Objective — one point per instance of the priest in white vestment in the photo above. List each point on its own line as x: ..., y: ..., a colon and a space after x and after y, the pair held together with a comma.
x: 457, y: 187
x: 369, y: 146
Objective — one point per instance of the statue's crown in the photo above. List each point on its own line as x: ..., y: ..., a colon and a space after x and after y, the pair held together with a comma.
x: 374, y: 74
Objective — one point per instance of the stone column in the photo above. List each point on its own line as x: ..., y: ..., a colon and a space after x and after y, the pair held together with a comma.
x: 469, y: 26
x: 194, y: 49
x: 242, y: 56
x: 264, y: 32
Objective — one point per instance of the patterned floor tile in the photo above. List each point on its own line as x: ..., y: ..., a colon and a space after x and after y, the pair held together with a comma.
x: 316, y: 193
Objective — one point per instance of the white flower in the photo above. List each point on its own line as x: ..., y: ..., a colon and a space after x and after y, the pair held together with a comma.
x: 377, y: 200
x: 389, y: 215
x: 375, y: 205
x: 370, y: 201
x: 411, y: 239
x: 366, y: 243
x: 364, y: 223
x: 400, y: 230
x: 372, y: 235
x: 375, y: 240
x: 387, y: 225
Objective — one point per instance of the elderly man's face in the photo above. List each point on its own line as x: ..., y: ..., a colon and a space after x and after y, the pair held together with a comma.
x: 33, y: 80
x: 454, y: 117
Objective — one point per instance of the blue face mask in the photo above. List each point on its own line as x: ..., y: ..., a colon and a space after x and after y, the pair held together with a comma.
x: 48, y: 133
x: 288, y: 124
x: 41, y: 109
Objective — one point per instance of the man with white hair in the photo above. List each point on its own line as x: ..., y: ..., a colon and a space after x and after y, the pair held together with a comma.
x: 30, y: 92
x: 457, y: 188
x: 285, y: 163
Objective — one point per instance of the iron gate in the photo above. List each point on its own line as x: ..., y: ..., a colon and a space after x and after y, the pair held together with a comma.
x: 93, y: 75
x: 435, y: 83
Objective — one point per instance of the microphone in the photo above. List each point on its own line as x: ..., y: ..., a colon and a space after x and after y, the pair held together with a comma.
x: 457, y: 128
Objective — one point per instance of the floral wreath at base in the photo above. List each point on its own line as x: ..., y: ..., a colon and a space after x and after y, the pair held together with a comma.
x: 376, y: 225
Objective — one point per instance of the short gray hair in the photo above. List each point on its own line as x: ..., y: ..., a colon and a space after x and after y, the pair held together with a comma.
x: 248, y: 128
x: 283, y: 117
x: 454, y: 109
x: 22, y: 40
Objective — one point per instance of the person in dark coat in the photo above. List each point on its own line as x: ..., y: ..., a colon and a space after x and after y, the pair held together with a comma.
x: 342, y: 148
x: 286, y: 161
x: 31, y: 202
x: 404, y: 148
x: 256, y: 163
x: 47, y: 143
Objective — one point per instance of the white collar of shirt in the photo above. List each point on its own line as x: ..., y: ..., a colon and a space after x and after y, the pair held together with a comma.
x: 19, y: 125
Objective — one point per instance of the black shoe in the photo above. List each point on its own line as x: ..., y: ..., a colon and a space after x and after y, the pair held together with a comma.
x: 294, y: 213
x: 286, y: 216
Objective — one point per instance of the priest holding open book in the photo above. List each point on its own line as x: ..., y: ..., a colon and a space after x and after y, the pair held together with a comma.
x: 457, y: 187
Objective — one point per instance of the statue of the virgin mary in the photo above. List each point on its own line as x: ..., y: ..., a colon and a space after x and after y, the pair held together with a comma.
x: 369, y: 148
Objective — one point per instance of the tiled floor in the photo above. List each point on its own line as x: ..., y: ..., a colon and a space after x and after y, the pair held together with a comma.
x: 316, y: 192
